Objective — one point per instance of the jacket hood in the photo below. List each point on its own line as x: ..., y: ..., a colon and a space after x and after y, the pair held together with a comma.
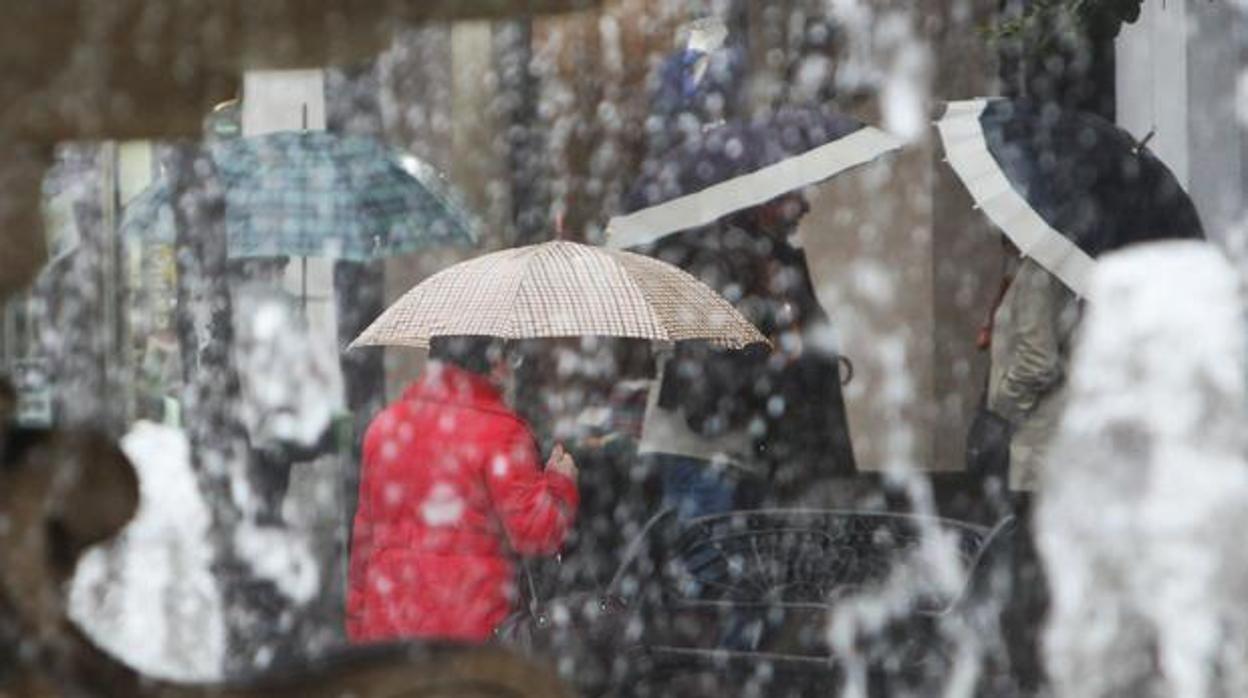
x: 447, y: 383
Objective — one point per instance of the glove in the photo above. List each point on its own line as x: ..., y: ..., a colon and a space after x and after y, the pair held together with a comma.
x: 988, y: 445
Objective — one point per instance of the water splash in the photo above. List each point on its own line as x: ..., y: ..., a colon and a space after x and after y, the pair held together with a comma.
x: 1148, y: 583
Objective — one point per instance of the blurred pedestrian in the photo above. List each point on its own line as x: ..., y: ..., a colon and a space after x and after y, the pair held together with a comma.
x: 450, y: 491
x: 696, y: 436
x: 700, y: 84
x: 768, y: 424
x: 1030, y: 352
x: 1031, y: 333
x: 289, y: 383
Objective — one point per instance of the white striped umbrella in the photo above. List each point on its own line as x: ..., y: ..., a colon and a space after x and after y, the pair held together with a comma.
x: 1063, y: 186
x: 738, y: 165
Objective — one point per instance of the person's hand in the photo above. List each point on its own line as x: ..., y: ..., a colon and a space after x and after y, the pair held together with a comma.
x: 561, y: 462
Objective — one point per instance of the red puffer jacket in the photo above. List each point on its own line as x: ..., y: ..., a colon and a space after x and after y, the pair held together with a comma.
x: 450, y: 490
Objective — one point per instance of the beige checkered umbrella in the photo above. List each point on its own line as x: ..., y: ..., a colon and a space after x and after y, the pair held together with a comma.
x: 561, y: 289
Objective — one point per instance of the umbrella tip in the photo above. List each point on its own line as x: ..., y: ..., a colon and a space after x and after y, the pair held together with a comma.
x: 1143, y: 142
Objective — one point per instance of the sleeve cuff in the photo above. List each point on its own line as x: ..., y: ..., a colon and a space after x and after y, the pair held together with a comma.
x: 1008, y: 412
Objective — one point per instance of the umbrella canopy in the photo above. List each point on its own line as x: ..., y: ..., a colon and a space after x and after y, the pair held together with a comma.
x: 317, y: 194
x: 1063, y: 186
x: 561, y: 289
x: 739, y: 165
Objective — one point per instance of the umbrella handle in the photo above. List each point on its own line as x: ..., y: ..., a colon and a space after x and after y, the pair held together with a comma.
x: 303, y: 287
x: 535, y: 603
x: 560, y: 226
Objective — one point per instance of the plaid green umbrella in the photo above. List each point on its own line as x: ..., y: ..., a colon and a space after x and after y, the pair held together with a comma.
x: 316, y: 194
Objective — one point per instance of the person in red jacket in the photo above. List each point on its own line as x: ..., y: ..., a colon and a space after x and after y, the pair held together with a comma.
x: 451, y: 490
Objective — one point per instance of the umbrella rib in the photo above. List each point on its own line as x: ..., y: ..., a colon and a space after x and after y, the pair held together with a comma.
x: 633, y: 279
x: 746, y: 328
x: 513, y: 331
x: 368, y: 336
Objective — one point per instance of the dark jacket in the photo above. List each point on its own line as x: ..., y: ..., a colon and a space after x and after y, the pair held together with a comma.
x: 794, y: 391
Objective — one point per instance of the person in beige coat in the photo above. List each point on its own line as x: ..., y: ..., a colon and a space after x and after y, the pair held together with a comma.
x: 1031, y: 337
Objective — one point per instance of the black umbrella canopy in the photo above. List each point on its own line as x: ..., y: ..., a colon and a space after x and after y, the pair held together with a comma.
x: 736, y: 165
x: 1086, y: 177
x: 1064, y: 186
x: 736, y: 149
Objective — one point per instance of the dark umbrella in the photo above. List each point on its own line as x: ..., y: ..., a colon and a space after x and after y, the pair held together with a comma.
x: 739, y: 165
x: 1064, y: 186
x: 682, y: 207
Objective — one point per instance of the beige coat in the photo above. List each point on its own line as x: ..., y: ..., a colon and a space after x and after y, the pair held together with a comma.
x: 1031, y: 340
